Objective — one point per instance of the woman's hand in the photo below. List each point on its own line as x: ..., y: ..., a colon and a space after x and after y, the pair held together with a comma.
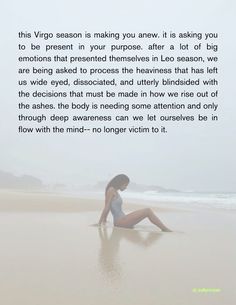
x: 103, y: 222
x: 109, y: 196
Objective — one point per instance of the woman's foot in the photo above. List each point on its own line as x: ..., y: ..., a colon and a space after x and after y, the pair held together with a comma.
x: 166, y: 230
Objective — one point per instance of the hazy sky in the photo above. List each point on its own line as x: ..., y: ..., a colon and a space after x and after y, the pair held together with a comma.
x: 189, y: 157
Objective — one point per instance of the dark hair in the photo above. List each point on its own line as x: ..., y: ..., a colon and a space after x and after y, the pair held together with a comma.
x: 117, y: 181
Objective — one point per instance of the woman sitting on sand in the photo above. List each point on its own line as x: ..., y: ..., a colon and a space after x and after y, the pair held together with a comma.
x: 113, y: 202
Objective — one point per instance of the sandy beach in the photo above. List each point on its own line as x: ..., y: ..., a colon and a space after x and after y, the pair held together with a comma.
x: 52, y: 254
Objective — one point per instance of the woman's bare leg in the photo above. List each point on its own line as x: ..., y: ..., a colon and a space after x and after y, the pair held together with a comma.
x: 154, y: 219
x: 135, y: 217
x: 132, y: 218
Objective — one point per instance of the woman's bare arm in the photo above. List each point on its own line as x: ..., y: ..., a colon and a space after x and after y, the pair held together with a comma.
x: 109, y: 195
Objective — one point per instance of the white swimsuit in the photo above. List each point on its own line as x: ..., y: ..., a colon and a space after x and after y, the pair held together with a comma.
x: 116, y: 208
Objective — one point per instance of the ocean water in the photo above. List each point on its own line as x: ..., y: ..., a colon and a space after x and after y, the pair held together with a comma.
x: 189, y: 199
x: 225, y: 201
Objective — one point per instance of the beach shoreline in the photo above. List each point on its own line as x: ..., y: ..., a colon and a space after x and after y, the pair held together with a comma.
x: 53, y: 254
x: 48, y: 201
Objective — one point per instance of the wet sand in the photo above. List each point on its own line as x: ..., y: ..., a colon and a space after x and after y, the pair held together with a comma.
x: 52, y: 254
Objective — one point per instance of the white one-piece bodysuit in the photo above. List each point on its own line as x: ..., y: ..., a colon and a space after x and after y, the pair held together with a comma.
x: 116, y: 208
